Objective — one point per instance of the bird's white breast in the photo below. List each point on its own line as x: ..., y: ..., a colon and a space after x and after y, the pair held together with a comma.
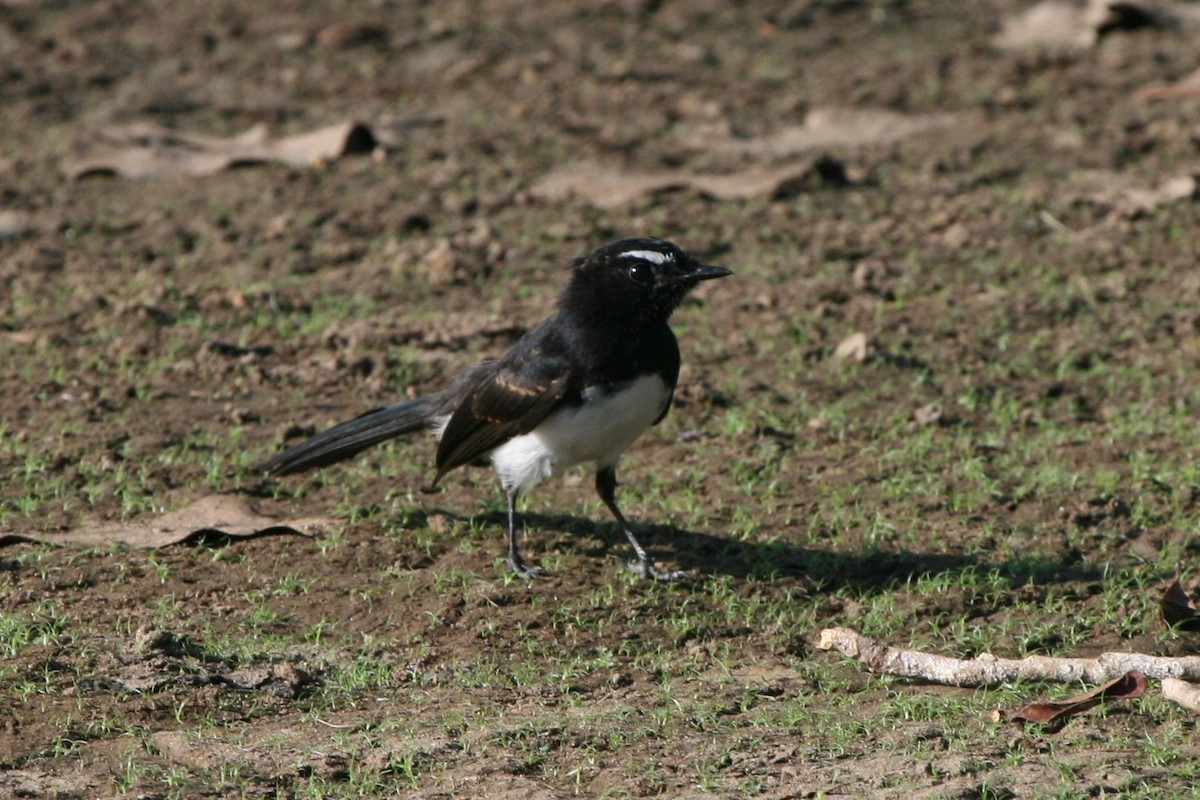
x: 597, y: 431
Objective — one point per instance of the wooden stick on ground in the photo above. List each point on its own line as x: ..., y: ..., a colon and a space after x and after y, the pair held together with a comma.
x: 988, y: 670
x: 1182, y: 692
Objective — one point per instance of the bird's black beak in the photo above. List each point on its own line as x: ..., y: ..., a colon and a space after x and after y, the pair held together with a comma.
x: 706, y: 272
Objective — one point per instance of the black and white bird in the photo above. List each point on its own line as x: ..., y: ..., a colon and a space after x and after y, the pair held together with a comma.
x: 579, y: 388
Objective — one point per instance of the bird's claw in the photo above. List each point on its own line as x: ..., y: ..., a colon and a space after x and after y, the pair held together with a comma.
x: 648, y: 569
x: 520, y: 570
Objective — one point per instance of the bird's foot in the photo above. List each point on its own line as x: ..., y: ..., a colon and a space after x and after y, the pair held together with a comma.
x: 520, y: 569
x: 648, y: 569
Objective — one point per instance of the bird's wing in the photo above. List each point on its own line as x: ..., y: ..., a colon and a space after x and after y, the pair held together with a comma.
x: 511, y: 399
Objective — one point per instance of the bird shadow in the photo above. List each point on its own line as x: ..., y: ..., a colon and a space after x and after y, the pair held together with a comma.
x: 707, y: 554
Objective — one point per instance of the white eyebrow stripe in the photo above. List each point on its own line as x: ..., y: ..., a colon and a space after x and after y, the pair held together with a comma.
x: 653, y: 256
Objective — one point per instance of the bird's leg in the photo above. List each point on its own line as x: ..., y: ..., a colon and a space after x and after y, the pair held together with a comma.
x: 606, y: 487
x: 516, y: 564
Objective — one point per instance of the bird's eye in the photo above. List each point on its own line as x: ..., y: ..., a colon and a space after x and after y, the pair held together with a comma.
x: 640, y: 273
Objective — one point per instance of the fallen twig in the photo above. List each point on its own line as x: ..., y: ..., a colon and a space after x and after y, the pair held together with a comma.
x: 1182, y: 692
x: 988, y: 670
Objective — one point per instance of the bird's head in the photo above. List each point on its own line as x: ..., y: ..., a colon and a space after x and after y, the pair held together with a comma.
x: 646, y: 276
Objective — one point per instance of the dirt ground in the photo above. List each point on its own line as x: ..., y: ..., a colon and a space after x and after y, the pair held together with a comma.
x: 1005, y: 461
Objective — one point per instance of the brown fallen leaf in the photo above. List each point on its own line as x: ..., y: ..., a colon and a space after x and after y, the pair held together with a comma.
x: 1181, y: 17
x: 1063, y: 27
x: 1182, y: 187
x: 348, y: 34
x: 929, y: 414
x: 13, y: 223
x: 1179, y: 609
x: 1055, y: 26
x: 1187, y: 86
x: 1125, y: 192
x: 146, y: 151
x: 855, y: 347
x: 839, y: 127
x: 606, y: 185
x: 217, y: 513
x: 1055, y: 713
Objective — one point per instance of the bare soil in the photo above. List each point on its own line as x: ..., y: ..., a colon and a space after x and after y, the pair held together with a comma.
x: 160, y: 335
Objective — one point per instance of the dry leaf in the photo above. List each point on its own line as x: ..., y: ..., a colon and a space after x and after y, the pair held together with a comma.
x: 1124, y: 192
x: 607, y: 185
x: 1055, y: 713
x: 1180, y: 188
x: 1062, y: 27
x: 1053, y: 27
x: 217, y: 513
x: 145, y: 151
x: 347, y: 34
x: 929, y: 414
x: 855, y: 347
x: 774, y: 182
x: 13, y: 223
x: 1179, y: 609
x: 1108, y: 15
x: 604, y: 186
x: 839, y: 127
x: 610, y: 186
x: 1187, y: 86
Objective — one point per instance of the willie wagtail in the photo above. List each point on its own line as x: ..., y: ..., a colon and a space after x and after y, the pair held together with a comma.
x: 579, y: 387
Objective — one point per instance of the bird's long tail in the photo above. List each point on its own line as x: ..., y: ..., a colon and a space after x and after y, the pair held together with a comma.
x: 353, y: 436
